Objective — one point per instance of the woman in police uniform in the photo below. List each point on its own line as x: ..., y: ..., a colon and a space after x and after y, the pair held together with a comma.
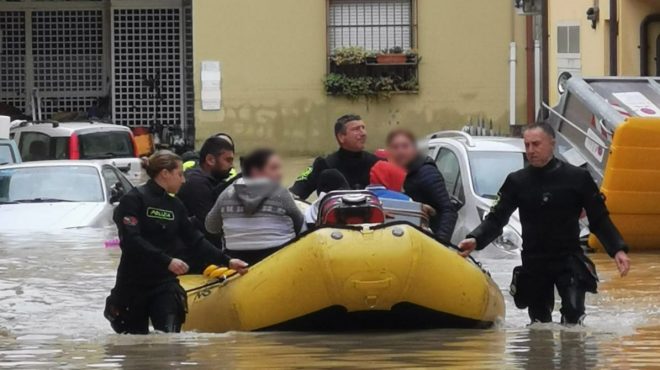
x: 155, y: 233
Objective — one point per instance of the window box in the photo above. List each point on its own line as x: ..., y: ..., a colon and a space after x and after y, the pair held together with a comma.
x: 391, y: 58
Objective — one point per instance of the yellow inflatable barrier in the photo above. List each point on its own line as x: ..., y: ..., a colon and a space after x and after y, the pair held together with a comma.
x: 631, y: 183
x: 388, y: 277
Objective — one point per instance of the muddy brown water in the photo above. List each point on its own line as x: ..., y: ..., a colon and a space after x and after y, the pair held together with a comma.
x: 53, y: 287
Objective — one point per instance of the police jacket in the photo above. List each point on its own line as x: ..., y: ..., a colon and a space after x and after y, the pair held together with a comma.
x: 154, y: 228
x: 425, y: 184
x: 550, y: 200
x: 355, y: 167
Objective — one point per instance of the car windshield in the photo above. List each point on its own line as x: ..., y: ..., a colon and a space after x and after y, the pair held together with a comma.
x: 50, y: 184
x: 6, y: 154
x: 106, y: 144
x: 490, y: 169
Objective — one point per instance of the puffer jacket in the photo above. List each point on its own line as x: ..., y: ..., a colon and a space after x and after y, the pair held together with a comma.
x: 425, y: 184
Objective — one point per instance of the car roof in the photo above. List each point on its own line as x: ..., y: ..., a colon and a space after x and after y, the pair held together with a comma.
x: 54, y: 163
x: 485, y: 143
x: 74, y: 126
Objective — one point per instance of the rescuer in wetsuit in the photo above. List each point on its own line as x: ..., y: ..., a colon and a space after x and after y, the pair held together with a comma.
x: 350, y: 160
x: 205, y: 182
x: 153, y: 230
x: 550, y: 196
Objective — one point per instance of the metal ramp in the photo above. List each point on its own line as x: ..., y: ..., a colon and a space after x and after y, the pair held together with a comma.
x: 611, y: 126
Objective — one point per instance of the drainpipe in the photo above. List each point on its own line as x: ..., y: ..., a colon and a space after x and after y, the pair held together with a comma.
x: 537, y: 75
x: 644, y: 43
x: 512, y: 83
x: 545, y: 54
x: 529, y: 54
x: 614, y: 33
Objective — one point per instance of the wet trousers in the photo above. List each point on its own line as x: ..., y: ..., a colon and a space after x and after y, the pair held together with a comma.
x: 544, y: 277
x: 164, y: 305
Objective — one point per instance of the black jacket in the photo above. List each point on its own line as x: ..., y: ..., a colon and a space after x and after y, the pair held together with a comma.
x: 425, y: 184
x: 198, y: 195
x: 550, y: 201
x: 355, y: 167
x: 154, y: 228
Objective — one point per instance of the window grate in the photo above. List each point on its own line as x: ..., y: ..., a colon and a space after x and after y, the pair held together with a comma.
x: 12, y: 59
x: 67, y: 48
x: 372, y: 24
x: 147, y: 54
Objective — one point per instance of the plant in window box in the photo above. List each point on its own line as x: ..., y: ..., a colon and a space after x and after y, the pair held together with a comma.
x: 409, y: 85
x: 394, y: 55
x: 351, y: 87
x: 411, y: 56
x: 372, y: 57
x: 349, y: 56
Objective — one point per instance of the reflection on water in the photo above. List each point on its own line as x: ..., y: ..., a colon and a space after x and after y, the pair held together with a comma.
x: 53, y: 287
x: 52, y: 290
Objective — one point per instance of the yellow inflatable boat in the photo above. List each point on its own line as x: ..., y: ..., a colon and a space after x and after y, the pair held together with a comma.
x: 390, y: 276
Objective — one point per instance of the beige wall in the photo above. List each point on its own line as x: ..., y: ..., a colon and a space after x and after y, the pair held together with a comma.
x: 595, y: 43
x: 273, y: 56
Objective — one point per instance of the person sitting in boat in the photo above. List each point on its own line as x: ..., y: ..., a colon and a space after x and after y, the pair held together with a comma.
x: 350, y: 160
x: 424, y: 182
x: 386, y: 181
x: 256, y: 214
x: 154, y: 229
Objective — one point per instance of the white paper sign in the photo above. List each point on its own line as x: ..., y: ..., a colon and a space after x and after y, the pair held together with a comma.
x: 638, y: 103
x: 595, y: 145
x: 211, y: 85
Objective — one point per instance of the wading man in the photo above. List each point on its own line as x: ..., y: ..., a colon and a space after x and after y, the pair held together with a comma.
x: 550, y: 196
x: 350, y: 160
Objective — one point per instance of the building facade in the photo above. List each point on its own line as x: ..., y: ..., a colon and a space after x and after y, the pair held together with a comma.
x: 274, y: 58
x: 256, y: 68
x: 581, y: 46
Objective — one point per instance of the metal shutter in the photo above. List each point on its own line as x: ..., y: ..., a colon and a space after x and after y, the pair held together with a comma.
x: 146, y: 45
x: 12, y: 59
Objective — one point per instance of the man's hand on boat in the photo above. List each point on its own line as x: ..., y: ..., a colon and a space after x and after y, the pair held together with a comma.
x: 178, y: 267
x: 467, y: 246
x: 239, y: 266
x: 622, y: 263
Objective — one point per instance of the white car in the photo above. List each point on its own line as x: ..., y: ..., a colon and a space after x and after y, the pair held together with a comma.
x: 474, y: 169
x: 52, y: 195
x: 101, y: 142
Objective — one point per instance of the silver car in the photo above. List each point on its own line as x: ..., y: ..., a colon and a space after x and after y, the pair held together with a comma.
x: 474, y: 169
x: 52, y: 195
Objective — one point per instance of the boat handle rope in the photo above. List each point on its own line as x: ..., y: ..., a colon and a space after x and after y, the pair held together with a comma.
x: 575, y: 126
x: 208, y: 285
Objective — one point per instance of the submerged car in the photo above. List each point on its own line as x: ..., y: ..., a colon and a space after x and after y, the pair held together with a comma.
x: 474, y: 169
x: 101, y: 142
x: 8, y: 152
x: 52, y: 195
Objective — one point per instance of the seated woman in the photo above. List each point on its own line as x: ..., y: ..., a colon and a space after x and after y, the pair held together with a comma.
x: 256, y: 214
x: 386, y: 181
x: 424, y: 182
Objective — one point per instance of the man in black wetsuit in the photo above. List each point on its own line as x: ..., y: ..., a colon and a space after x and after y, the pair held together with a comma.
x: 350, y: 160
x: 550, y: 196
x: 205, y: 182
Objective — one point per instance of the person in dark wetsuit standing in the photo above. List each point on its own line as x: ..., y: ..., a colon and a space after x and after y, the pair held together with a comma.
x: 550, y: 196
x: 350, y: 160
x: 154, y: 229
x: 205, y: 182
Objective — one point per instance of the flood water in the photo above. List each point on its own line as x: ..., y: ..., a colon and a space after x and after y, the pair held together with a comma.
x: 53, y: 289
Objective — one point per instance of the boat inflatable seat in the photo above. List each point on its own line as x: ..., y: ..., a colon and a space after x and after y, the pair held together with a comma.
x: 350, y: 207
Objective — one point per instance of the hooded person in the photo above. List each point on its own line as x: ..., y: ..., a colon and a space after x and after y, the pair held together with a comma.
x: 255, y: 213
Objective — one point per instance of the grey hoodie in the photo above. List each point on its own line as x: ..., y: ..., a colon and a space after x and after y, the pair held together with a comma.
x: 255, y: 214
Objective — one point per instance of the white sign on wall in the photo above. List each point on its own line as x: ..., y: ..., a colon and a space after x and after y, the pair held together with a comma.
x: 211, y: 83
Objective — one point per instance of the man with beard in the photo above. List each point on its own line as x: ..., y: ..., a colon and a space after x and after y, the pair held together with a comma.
x: 205, y: 182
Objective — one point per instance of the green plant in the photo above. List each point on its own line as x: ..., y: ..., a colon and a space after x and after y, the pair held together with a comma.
x: 409, y: 85
x: 394, y: 50
x: 351, y: 87
x: 349, y: 55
